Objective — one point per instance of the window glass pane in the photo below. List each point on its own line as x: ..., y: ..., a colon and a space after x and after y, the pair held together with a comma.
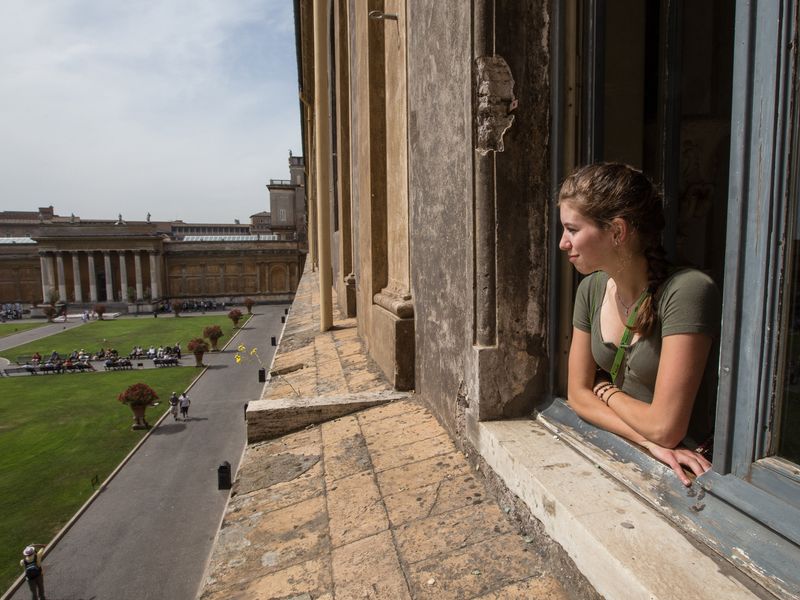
x: 789, y: 434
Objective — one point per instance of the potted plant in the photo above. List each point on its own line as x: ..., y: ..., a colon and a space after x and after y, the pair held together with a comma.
x: 213, y: 333
x: 198, y: 347
x: 49, y: 311
x: 138, y: 396
x: 248, y: 303
x: 235, y: 315
x: 177, y: 307
x: 99, y: 310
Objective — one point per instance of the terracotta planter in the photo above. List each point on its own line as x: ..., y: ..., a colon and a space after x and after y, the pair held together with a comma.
x: 139, y: 421
x: 213, y: 344
x: 198, y: 358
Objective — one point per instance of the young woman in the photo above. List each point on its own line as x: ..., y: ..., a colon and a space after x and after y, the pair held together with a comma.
x: 613, y: 217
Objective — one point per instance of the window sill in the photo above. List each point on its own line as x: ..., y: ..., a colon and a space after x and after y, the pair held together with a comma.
x: 699, y: 512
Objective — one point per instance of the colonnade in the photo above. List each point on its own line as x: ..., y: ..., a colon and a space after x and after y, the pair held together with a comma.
x: 54, y: 278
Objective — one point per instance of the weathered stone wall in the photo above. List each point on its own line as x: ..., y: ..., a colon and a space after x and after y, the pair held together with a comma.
x: 20, y: 274
x: 506, y: 377
x: 440, y: 196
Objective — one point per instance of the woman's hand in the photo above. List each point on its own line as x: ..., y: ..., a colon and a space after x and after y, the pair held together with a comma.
x: 675, y: 457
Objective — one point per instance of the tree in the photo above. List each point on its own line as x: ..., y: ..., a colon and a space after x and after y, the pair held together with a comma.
x: 235, y: 315
x: 213, y: 333
x: 198, y: 347
x: 248, y: 303
x: 100, y: 310
x: 138, y: 397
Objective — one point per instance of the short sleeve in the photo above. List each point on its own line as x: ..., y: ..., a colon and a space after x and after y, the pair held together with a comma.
x: 690, y: 303
x: 584, y: 300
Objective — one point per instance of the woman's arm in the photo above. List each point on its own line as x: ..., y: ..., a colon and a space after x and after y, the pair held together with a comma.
x: 581, y: 380
x: 680, y: 371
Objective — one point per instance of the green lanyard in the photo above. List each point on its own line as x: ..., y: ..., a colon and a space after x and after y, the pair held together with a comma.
x: 626, y: 338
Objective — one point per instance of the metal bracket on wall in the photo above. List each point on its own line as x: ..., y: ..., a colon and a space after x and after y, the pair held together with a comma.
x: 379, y: 15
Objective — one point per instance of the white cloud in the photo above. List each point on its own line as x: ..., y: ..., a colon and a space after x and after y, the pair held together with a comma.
x: 180, y: 108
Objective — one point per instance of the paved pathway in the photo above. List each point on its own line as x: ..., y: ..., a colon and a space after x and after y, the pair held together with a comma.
x: 31, y: 335
x: 149, y: 534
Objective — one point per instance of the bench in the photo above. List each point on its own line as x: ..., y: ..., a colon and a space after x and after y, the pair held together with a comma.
x: 165, y: 362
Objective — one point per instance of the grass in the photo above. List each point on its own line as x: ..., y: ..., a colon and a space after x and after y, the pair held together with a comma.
x: 18, y: 327
x: 124, y: 334
x: 56, y: 433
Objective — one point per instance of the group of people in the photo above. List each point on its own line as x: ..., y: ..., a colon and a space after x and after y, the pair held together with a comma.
x: 193, y: 306
x: 181, y: 402
x: 10, y: 311
x: 55, y: 364
x: 153, y: 352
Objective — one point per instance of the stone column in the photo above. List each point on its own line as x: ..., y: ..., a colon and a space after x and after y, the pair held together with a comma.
x: 62, y: 283
x: 109, y: 276
x: 92, y: 277
x: 123, y: 277
x: 51, y: 273
x: 76, y: 276
x: 45, y: 279
x: 137, y: 264
x: 153, y: 275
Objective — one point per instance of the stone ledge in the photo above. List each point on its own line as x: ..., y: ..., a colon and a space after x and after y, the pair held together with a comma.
x: 268, y: 419
x: 623, y: 546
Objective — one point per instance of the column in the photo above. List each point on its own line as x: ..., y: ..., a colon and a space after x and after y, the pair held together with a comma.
x: 153, y: 275
x: 45, y: 279
x: 137, y: 264
x: 51, y: 275
x: 109, y: 276
x: 92, y: 277
x: 123, y: 277
x: 76, y: 276
x: 62, y: 283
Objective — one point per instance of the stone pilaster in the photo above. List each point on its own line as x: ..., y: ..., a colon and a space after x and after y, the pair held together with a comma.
x: 109, y: 276
x: 92, y: 277
x: 76, y: 276
x: 137, y: 265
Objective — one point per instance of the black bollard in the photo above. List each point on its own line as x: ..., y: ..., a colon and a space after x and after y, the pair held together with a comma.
x: 274, y: 341
x: 262, y: 375
x: 224, y: 476
x: 286, y: 311
x: 283, y: 319
x: 246, y: 404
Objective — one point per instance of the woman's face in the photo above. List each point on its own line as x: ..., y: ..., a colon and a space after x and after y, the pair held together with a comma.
x: 588, y: 246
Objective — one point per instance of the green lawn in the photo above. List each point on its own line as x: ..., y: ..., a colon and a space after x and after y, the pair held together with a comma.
x: 59, y: 431
x: 124, y: 334
x: 18, y: 326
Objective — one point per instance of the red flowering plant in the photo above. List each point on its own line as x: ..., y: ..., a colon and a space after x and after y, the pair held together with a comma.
x: 248, y: 304
x: 213, y: 333
x: 235, y: 315
x: 138, y: 396
x: 198, y: 347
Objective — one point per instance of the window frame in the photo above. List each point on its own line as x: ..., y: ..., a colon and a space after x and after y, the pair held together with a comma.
x: 749, y: 496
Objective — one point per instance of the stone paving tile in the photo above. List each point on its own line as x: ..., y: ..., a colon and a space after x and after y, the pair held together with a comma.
x: 454, y: 530
x: 434, y: 499
x: 399, y: 409
x: 544, y: 587
x: 422, y: 473
x: 387, y: 458
x: 355, y: 509
x: 312, y: 578
x: 476, y: 570
x: 369, y: 568
x: 278, y: 496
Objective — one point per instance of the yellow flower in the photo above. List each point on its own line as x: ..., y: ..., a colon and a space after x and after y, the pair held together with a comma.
x: 237, y: 358
x: 254, y: 352
x: 242, y: 348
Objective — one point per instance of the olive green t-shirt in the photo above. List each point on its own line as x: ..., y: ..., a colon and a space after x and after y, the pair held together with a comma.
x: 688, y: 303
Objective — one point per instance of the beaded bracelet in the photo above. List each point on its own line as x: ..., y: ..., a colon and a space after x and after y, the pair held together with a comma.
x: 611, y: 395
x: 600, y: 388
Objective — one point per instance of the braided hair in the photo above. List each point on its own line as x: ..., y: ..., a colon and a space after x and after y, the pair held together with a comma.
x: 603, y: 192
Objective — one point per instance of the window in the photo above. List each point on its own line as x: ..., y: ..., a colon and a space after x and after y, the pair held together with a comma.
x: 701, y: 96
x: 282, y: 214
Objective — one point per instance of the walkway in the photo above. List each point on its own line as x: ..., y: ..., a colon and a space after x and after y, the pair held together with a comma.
x: 376, y: 505
x: 150, y: 533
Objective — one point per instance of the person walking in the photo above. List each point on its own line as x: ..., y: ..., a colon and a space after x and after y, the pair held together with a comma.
x: 173, y: 406
x: 31, y: 562
x: 184, y: 403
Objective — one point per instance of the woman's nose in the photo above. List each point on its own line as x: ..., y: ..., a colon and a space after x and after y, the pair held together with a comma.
x: 563, y: 243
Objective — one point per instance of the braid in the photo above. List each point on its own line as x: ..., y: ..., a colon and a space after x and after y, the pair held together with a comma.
x: 657, y: 272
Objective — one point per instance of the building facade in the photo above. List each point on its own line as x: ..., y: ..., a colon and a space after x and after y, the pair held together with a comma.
x: 443, y: 131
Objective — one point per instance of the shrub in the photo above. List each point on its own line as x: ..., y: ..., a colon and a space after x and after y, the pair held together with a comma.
x: 213, y: 333
x: 235, y: 315
x: 100, y: 310
x: 139, y: 394
x: 197, y: 346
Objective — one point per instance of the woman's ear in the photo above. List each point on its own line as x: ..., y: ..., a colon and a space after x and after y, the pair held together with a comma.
x: 620, y: 230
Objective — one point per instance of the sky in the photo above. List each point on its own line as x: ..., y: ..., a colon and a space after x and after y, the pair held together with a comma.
x: 183, y: 109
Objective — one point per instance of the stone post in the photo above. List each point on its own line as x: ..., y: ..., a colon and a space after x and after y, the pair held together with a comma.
x: 137, y: 265
x: 62, y: 283
x: 76, y: 276
x: 123, y: 277
x: 153, y: 275
x: 92, y: 277
x: 109, y: 276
